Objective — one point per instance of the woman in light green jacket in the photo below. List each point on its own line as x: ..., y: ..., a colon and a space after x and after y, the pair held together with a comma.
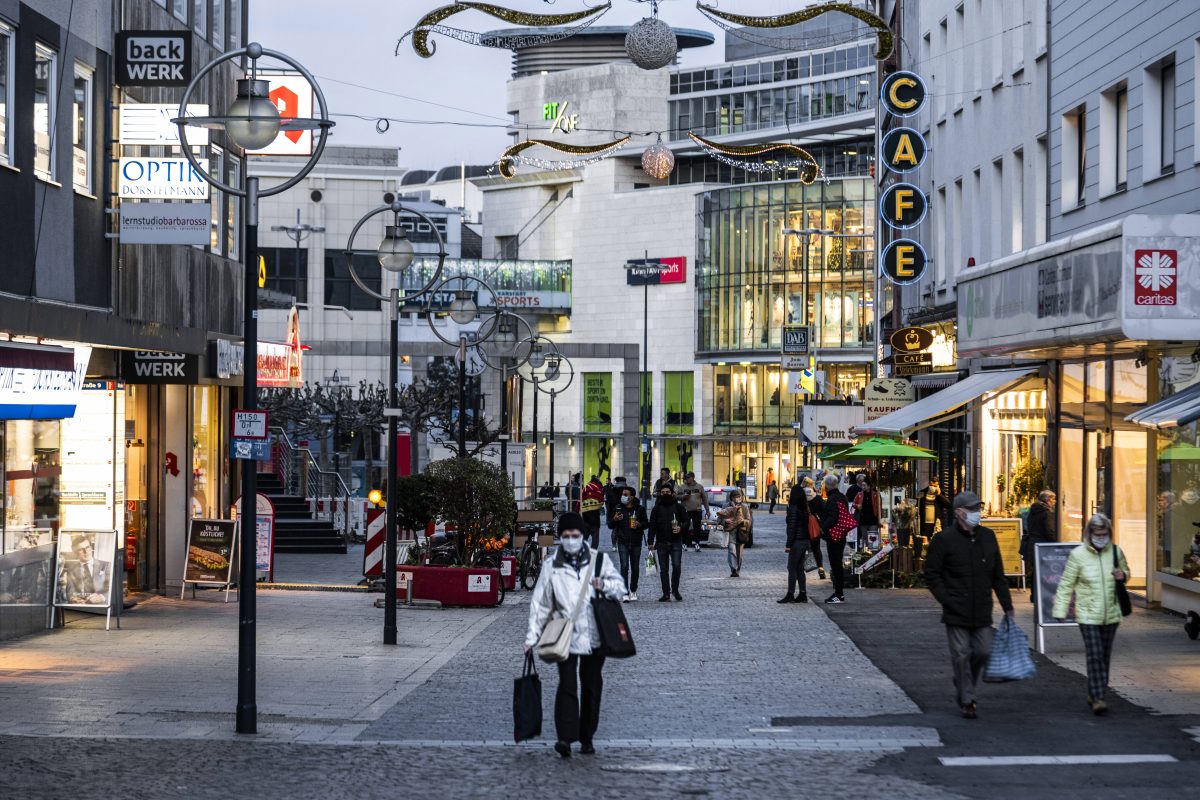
x: 1091, y: 576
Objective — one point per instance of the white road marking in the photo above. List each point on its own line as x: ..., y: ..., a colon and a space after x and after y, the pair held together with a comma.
x: 1054, y: 761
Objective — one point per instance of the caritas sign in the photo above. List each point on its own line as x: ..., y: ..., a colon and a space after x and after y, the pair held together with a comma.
x: 1161, y: 277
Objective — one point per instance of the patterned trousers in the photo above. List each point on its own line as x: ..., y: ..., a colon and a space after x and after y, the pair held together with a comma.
x: 1098, y: 644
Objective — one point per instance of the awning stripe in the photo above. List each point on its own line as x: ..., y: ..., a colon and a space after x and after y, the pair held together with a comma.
x: 16, y: 355
x: 970, y: 388
x: 1178, y: 409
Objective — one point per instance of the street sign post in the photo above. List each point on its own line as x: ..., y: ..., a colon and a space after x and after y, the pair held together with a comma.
x: 249, y: 424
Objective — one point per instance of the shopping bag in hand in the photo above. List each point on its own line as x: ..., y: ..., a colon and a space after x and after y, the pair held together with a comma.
x: 651, y: 563
x: 1010, y: 660
x: 527, y: 703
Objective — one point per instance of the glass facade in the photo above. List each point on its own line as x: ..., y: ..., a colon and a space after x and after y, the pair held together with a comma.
x: 1177, y: 504
x: 752, y: 279
x: 836, y: 161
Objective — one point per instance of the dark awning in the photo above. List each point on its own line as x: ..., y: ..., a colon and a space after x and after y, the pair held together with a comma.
x: 1178, y: 409
x: 17, y: 355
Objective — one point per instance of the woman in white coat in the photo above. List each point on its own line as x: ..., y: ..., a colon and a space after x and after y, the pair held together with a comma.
x: 577, y: 702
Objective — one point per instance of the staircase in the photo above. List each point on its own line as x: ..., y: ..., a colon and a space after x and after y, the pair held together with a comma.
x: 295, y: 529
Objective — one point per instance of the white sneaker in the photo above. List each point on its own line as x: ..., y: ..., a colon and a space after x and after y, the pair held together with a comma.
x: 631, y: 597
x: 626, y: 598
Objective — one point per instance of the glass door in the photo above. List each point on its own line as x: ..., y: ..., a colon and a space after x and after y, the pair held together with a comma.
x: 1129, y: 501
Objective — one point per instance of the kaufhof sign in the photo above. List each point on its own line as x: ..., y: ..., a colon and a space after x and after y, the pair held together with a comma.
x: 903, y: 206
x: 145, y: 178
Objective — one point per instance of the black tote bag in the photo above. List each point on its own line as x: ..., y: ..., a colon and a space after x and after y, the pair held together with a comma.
x: 616, y: 640
x: 1122, y: 593
x: 527, y: 703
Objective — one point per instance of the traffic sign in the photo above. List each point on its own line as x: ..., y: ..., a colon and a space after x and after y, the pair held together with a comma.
x: 911, y: 340
x: 903, y: 206
x: 249, y: 424
x: 903, y: 150
x: 903, y: 261
x: 795, y: 340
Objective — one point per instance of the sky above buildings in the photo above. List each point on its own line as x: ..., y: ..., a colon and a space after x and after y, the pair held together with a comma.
x: 350, y: 45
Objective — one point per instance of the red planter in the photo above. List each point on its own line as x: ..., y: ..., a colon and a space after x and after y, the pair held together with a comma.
x: 450, y: 586
x: 508, y: 572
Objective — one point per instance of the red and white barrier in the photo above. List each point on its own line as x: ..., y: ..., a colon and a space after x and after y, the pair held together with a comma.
x: 376, y: 538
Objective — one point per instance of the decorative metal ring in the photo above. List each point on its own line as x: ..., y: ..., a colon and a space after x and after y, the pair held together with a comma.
x: 475, y: 337
x: 397, y: 208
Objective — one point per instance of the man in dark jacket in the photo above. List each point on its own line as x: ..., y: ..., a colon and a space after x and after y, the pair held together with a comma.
x: 629, y: 524
x: 612, y: 499
x: 668, y: 524
x: 1040, y: 526
x: 963, y: 568
x: 796, y: 546
x: 931, y: 507
x: 591, y: 504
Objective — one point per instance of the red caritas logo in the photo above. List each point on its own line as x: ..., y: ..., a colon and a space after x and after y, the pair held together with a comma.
x: 1155, y: 277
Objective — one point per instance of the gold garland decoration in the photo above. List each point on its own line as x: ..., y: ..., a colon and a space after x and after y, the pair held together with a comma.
x: 430, y: 22
x: 882, y: 31
x: 811, y: 168
x: 507, y: 159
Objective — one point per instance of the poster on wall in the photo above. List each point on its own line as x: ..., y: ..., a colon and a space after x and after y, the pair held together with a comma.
x: 264, y: 534
x: 89, y: 490
x: 26, y: 538
x: 211, y: 546
x: 598, y: 459
x: 597, y: 402
x: 85, y: 568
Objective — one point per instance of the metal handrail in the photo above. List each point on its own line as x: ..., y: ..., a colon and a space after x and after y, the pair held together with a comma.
x: 312, y: 469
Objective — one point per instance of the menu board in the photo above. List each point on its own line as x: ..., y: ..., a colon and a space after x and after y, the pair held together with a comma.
x: 210, y: 551
x: 1050, y: 561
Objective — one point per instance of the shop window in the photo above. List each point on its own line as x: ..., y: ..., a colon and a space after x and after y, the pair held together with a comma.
x: 287, y: 270
x: 32, y: 473
x: 206, y: 452
x: 1178, y: 503
x: 81, y: 129
x: 6, y: 71
x: 45, y: 91
x: 597, y: 402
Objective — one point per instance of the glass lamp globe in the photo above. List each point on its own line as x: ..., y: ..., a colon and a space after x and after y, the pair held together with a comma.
x: 537, y: 355
x: 395, y: 251
x: 553, y: 369
x: 252, y: 121
x: 463, y: 309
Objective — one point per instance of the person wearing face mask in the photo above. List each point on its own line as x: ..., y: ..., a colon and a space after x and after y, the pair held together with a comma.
x: 736, y: 520
x: 1040, y: 526
x: 629, y: 525
x: 963, y: 568
x: 814, y: 502
x: 667, y: 524
x: 577, y: 701
x: 1091, y: 576
x: 931, y: 507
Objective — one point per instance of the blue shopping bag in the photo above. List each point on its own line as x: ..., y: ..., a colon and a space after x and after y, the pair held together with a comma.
x: 1010, y: 659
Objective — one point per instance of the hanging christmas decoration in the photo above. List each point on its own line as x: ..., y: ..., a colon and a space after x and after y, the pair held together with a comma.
x: 588, y: 154
x: 737, y: 23
x: 431, y: 23
x: 658, y: 160
x: 740, y: 156
x: 651, y: 43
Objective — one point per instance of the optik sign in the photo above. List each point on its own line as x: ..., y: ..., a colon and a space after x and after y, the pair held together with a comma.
x: 154, y: 58
x: 161, y: 179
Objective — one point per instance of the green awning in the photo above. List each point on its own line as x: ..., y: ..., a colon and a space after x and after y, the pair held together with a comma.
x: 878, y: 447
x: 1180, y: 451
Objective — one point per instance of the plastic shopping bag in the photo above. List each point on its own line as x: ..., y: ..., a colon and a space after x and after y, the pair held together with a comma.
x: 1010, y: 660
x: 651, y: 563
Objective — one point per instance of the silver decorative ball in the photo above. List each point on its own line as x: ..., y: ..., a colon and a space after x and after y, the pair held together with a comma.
x: 651, y: 43
x: 658, y: 161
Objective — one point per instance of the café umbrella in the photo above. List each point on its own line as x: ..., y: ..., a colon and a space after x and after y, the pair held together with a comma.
x: 878, y: 447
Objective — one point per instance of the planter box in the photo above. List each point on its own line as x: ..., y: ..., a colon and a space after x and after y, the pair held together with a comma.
x: 450, y: 586
x: 508, y: 572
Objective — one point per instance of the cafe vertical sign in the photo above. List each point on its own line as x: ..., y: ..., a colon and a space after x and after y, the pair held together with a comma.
x: 903, y: 205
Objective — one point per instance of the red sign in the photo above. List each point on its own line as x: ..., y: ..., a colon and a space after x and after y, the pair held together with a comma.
x: 1155, y: 277
x: 677, y: 272
x: 288, y: 103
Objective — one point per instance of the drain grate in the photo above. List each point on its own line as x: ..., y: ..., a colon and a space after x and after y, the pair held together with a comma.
x: 661, y: 767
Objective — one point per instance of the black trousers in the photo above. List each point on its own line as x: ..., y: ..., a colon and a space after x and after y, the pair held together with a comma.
x: 671, y: 554
x: 836, y: 570
x: 815, y: 544
x: 796, y: 567
x: 695, y: 533
x: 576, y: 712
x: 592, y: 520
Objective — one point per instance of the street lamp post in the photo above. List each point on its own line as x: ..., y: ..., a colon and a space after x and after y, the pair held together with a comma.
x: 552, y: 376
x: 394, y: 254
x: 538, y: 349
x: 251, y: 122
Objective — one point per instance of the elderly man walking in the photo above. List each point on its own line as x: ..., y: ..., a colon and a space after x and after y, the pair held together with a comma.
x: 963, y: 568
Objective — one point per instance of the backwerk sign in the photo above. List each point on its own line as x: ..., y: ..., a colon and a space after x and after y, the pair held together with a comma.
x: 154, y: 58
x: 150, y: 366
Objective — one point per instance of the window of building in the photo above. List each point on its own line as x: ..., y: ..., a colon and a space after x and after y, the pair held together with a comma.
x: 1114, y: 135
x: 1040, y: 210
x: 218, y: 24
x: 180, y: 9
x: 1167, y: 119
x: 81, y: 130
x: 207, y: 463
x: 1018, y: 201
x: 1158, y: 119
x: 200, y: 17
x: 996, y: 226
x: 216, y: 239
x: 32, y: 472
x: 1074, y: 158
x: 233, y: 219
x: 6, y: 71
x: 646, y: 404
x: 678, y: 402
x: 45, y: 90
x: 340, y: 289
x: 287, y: 270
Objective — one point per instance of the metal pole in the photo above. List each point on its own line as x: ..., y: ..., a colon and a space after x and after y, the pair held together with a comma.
x: 504, y: 426
x: 552, y: 395
x: 644, y: 454
x: 390, y: 534
x: 462, y: 397
x: 247, y: 706
x: 535, y: 435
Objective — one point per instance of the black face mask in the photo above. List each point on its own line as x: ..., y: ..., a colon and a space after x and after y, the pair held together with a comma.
x: 666, y: 498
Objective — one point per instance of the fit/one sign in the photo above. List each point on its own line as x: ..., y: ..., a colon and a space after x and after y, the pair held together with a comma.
x: 154, y: 58
x: 144, y: 178
x: 149, y: 124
